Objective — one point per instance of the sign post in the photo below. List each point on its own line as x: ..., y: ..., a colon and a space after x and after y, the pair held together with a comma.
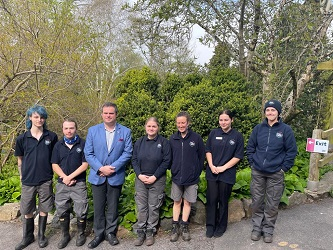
x: 317, y: 146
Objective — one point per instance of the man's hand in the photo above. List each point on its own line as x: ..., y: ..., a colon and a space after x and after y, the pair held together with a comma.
x: 107, y: 170
x: 66, y: 180
x: 72, y: 182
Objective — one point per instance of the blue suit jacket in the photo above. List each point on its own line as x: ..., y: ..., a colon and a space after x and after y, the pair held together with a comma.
x: 97, y: 154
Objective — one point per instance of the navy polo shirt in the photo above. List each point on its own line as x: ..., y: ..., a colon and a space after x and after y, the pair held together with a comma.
x: 223, y: 147
x: 36, y: 162
x: 69, y: 159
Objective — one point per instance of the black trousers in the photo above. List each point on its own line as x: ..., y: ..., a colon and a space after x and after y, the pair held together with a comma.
x: 106, y: 200
x: 218, y: 194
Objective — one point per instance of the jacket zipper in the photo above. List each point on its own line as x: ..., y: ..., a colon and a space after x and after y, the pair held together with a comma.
x: 269, y: 136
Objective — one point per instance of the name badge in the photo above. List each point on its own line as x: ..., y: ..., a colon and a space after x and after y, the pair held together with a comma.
x: 219, y: 137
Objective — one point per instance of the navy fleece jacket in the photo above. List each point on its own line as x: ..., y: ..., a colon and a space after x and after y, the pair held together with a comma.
x: 188, y: 156
x: 271, y: 149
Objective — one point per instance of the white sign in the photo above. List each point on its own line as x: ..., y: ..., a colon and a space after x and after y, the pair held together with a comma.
x: 317, y: 146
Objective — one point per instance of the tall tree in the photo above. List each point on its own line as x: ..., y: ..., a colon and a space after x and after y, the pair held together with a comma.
x: 117, y: 54
x: 164, y: 45
x: 46, y: 56
x: 279, y: 42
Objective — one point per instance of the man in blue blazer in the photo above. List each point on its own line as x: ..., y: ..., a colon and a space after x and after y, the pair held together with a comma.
x: 108, y: 149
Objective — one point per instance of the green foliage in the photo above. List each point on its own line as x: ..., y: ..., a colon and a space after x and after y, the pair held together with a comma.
x: 127, y: 207
x: 135, y: 108
x: 324, y: 170
x: 10, y: 184
x: 241, y: 189
x: 166, y: 209
x: 296, y: 177
x: 202, y: 187
x: 221, y: 89
x: 221, y: 57
x: 138, y: 80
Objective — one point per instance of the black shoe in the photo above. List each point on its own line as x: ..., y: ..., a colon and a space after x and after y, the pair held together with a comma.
x: 268, y: 238
x: 95, y: 242
x: 218, y: 233
x: 112, y: 239
x: 209, y: 232
x: 255, y: 235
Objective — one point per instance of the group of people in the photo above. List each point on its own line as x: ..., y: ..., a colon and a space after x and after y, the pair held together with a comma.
x: 108, y: 149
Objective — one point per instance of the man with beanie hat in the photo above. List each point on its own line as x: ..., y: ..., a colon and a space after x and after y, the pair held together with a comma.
x: 271, y: 151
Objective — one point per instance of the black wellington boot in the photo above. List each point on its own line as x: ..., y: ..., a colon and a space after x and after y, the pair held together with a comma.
x: 81, y: 227
x: 28, y: 234
x: 42, y: 240
x: 65, y: 238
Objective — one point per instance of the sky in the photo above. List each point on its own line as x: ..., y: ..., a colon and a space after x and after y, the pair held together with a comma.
x: 202, y: 53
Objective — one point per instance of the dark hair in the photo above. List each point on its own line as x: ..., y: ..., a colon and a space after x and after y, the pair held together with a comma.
x: 110, y: 104
x: 71, y: 120
x: 228, y: 113
x: 185, y: 114
x: 35, y: 109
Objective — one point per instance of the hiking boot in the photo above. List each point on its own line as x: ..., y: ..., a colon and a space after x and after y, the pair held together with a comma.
x: 174, y: 232
x: 255, y: 235
x: 185, y: 232
x: 150, y: 237
x: 141, y: 238
x: 268, y: 238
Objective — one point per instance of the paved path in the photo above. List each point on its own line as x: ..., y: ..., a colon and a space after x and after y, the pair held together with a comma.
x: 304, y: 227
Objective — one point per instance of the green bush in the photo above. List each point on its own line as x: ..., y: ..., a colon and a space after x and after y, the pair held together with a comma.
x: 10, y: 183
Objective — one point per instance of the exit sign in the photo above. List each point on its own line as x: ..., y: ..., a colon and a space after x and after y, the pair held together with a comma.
x: 317, y: 146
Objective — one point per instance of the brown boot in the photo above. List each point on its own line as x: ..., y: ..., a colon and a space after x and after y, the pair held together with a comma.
x: 141, y: 237
x: 150, y: 237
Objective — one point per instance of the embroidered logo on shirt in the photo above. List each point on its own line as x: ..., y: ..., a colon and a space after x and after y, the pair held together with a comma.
x: 159, y: 145
x: 232, y: 142
x: 47, y: 142
x: 79, y: 150
x: 219, y: 137
x: 192, y: 144
x: 279, y: 134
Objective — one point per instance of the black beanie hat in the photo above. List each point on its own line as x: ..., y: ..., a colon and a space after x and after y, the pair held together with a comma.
x: 275, y: 104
